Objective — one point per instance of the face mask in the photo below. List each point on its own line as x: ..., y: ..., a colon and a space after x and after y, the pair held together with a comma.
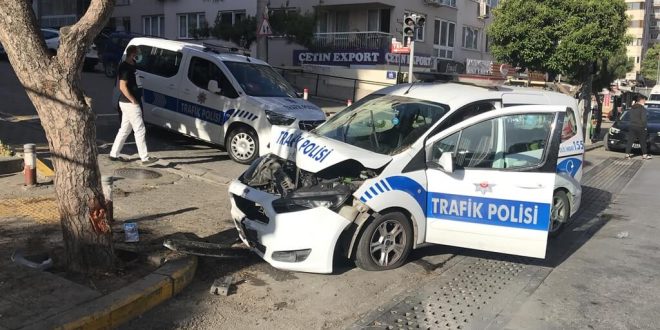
x: 138, y: 58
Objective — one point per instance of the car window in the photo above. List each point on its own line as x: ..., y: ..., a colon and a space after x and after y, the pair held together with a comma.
x: 158, y: 61
x: 507, y: 142
x: 464, y: 113
x: 384, y: 124
x: 202, y: 71
x: 570, y: 126
x: 260, y: 80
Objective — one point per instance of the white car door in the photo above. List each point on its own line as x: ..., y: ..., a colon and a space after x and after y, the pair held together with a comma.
x: 206, y: 110
x: 159, y: 73
x: 491, y: 180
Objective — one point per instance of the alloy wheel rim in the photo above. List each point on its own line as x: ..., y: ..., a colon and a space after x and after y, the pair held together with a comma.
x: 387, y: 244
x: 242, y: 146
x: 558, y: 213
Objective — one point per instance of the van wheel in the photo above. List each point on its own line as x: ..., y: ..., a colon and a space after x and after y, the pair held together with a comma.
x: 243, y: 145
x: 385, y: 243
x: 606, y: 143
x: 560, y: 213
x: 110, y: 69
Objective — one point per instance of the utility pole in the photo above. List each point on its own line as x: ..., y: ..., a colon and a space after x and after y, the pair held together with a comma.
x: 411, y: 60
x: 262, y: 40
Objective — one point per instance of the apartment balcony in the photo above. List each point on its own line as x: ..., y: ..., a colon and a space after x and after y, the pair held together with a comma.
x: 369, y: 40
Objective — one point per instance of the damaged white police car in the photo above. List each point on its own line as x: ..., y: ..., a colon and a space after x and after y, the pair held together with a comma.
x: 495, y: 169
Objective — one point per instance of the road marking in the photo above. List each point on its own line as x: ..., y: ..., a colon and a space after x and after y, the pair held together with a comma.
x: 44, y: 169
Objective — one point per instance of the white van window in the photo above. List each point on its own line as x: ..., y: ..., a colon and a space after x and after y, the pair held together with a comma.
x: 202, y: 71
x: 260, y: 80
x: 158, y: 61
x: 384, y: 124
x: 570, y: 126
x: 508, y: 142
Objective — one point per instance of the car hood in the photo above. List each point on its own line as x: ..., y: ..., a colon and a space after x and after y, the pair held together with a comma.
x: 623, y: 125
x: 289, y: 106
x: 314, y: 153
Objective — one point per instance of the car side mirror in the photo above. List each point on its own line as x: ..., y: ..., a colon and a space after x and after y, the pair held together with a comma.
x: 213, y: 87
x: 445, y: 163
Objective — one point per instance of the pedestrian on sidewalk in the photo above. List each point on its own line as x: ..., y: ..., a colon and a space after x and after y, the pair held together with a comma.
x: 637, y: 128
x: 129, y: 103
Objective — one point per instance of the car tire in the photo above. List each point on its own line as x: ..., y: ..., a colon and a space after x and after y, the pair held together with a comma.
x: 110, y: 69
x: 385, y: 243
x: 559, y: 213
x: 242, y: 145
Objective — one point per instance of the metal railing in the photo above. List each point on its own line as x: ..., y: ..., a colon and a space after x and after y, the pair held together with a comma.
x: 331, y: 87
x: 352, y: 40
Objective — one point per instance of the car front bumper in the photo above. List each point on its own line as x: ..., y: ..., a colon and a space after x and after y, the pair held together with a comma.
x: 266, y: 231
x: 618, y: 142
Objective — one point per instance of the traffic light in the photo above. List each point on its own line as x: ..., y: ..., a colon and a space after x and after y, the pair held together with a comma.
x: 411, y: 22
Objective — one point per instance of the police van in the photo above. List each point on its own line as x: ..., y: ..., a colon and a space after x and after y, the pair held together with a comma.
x: 224, y: 98
x: 488, y: 168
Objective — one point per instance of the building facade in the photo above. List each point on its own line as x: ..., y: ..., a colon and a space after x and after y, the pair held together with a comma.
x: 454, y: 30
x: 640, y: 29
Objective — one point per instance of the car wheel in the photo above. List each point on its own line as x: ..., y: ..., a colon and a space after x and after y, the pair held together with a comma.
x: 110, y: 69
x: 606, y: 143
x: 560, y: 213
x: 385, y: 243
x: 242, y: 145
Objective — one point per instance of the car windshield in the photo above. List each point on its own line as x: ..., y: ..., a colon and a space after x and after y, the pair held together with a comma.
x: 653, y: 116
x: 385, y: 124
x: 260, y: 80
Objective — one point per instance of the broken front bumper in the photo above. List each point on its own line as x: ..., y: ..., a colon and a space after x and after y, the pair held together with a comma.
x: 312, y: 234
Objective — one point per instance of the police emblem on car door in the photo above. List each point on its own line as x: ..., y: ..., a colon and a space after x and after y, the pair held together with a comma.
x: 491, y: 180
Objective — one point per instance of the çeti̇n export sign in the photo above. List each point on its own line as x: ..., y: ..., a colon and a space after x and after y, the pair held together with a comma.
x: 357, y: 57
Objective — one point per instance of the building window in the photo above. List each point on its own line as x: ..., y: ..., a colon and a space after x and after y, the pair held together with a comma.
x: 637, y: 59
x: 470, y: 37
x: 230, y: 18
x: 636, y: 42
x: 373, y: 18
x: 444, y: 33
x: 636, y: 24
x: 123, y: 24
x: 153, y: 25
x: 635, y: 5
x: 450, y: 3
x: 322, y: 26
x: 341, y: 21
x: 420, y: 30
x: 190, y: 22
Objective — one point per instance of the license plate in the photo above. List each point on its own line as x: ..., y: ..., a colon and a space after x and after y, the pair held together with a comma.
x: 636, y: 145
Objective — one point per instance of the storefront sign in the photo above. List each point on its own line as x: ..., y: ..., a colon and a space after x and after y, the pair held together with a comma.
x: 366, y: 57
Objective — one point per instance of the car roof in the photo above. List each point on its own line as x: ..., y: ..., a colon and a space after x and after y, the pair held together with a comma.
x: 456, y: 95
x: 50, y: 30
x: 174, y: 45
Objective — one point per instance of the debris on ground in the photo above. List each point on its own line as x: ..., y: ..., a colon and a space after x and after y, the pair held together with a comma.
x: 222, y: 285
x: 623, y: 234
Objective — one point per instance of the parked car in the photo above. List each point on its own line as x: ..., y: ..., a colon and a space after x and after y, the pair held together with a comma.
x: 221, y: 97
x: 52, y: 39
x: 616, y: 137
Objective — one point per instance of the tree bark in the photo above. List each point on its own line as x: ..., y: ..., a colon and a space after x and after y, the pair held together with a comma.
x: 53, y: 86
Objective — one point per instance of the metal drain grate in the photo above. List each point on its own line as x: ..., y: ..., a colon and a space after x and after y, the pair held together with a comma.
x: 137, y: 173
x: 460, y: 298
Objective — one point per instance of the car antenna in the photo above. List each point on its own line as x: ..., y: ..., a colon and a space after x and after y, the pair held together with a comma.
x: 411, y: 86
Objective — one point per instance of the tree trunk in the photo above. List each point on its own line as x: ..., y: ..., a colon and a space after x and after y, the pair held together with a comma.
x: 53, y: 86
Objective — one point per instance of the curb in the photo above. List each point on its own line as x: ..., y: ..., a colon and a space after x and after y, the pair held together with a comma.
x: 10, y: 165
x: 43, y: 169
x: 593, y: 146
x: 125, y: 304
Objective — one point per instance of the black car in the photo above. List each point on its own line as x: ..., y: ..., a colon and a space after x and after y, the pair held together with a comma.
x: 616, y: 137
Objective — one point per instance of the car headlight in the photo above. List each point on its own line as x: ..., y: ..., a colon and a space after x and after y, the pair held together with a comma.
x: 329, y: 199
x: 614, y: 130
x: 275, y: 118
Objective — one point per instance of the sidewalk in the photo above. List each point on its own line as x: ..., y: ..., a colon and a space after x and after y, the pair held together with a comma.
x: 612, y: 281
x: 153, y: 198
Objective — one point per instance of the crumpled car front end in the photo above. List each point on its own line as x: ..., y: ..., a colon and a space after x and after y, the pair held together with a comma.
x: 293, y: 219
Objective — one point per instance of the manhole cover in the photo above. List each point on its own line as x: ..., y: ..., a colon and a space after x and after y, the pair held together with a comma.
x: 137, y: 173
